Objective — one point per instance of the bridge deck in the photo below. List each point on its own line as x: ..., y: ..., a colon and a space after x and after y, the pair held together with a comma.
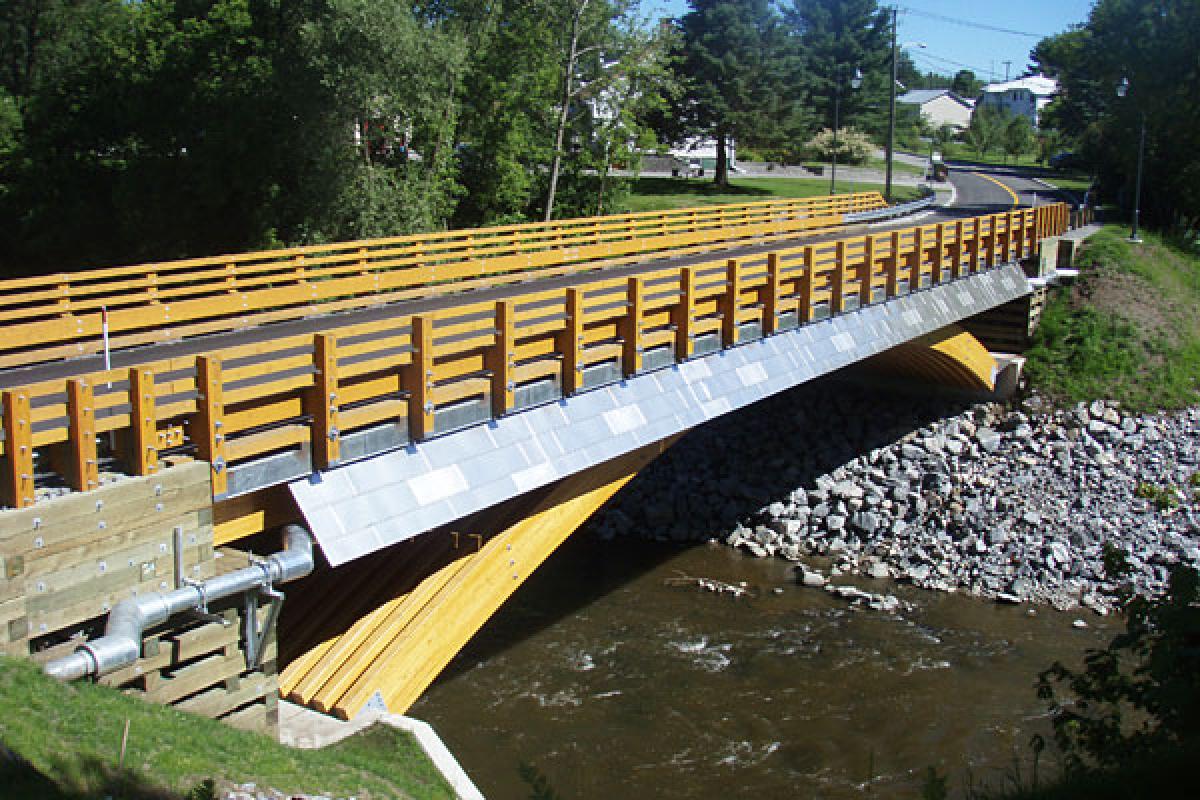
x: 273, y: 404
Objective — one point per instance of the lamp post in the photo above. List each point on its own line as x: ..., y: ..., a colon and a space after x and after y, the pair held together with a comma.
x: 891, y: 141
x: 1122, y: 91
x: 855, y: 82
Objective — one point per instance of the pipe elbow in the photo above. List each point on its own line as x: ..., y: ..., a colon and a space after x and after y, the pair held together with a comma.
x: 296, y: 560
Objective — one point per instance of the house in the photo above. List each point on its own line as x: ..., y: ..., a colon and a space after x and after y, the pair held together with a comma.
x: 704, y: 151
x: 940, y: 107
x: 1024, y: 96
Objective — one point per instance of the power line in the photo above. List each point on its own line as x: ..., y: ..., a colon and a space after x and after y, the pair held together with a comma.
x: 966, y: 23
x: 935, y: 59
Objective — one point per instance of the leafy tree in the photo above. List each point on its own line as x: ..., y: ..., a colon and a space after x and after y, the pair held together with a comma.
x: 1151, y: 42
x: 984, y: 131
x: 838, y: 37
x: 731, y: 62
x: 965, y: 84
x: 1140, y: 694
x: 1017, y: 137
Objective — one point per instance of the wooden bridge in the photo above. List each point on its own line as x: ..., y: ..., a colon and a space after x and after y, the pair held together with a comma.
x: 440, y: 411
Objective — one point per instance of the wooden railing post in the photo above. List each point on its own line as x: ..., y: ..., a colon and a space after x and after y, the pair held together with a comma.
x: 939, y: 251
x: 914, y: 276
x: 18, y: 449
x: 570, y: 343
x: 770, y: 296
x: 731, y: 303
x: 893, y: 266
x: 419, y: 381
x: 684, y: 313
x: 208, y: 430
x: 837, y: 280
x: 143, y: 423
x: 806, y: 284
x: 1008, y: 236
x: 956, y: 268
x: 84, y: 471
x: 323, y: 403
x: 993, y: 239
x: 501, y: 359
x: 976, y: 244
x: 631, y: 329
x: 867, y: 276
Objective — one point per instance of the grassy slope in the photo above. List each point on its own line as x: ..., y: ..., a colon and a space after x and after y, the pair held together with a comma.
x: 654, y: 194
x: 71, y: 736
x: 1129, y: 329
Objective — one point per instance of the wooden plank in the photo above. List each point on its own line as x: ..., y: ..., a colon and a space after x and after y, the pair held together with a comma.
x: 323, y: 403
x: 731, y: 302
x: 84, y: 472
x: 684, y: 315
x: 418, y: 379
x: 208, y: 426
x: 18, y: 462
x: 631, y: 327
x: 501, y: 359
x: 143, y: 431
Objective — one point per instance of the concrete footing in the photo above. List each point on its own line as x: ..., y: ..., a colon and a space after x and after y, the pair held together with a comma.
x: 306, y: 729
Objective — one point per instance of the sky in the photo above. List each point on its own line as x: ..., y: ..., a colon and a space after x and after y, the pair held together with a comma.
x: 951, y: 45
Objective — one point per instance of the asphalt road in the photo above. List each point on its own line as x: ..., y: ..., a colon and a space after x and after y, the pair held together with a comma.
x: 977, y: 192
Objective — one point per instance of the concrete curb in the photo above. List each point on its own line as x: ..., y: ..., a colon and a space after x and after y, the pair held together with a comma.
x: 305, y: 729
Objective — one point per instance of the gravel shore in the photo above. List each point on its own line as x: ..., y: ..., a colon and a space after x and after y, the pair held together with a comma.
x: 1015, y: 504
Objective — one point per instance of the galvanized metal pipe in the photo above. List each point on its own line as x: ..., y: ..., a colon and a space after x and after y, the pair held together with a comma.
x: 121, y: 644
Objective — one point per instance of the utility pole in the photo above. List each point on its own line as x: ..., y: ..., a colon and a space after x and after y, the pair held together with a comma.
x: 891, y: 140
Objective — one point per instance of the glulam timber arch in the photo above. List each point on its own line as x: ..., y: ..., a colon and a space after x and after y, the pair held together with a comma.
x: 950, y: 356
x: 399, y: 621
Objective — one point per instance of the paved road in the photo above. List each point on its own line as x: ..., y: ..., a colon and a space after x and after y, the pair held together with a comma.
x: 976, y: 192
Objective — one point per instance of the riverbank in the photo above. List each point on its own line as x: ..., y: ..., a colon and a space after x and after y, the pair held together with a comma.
x: 1017, y: 505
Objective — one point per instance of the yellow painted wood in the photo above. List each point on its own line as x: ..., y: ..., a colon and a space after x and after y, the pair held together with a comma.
x: 631, y: 327
x: 83, y: 473
x: 143, y: 439
x: 731, y: 302
x: 208, y: 426
x: 502, y: 357
x: 323, y: 403
x: 18, y: 446
x: 418, y: 379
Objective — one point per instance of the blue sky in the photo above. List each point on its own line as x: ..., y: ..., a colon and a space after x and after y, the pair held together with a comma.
x: 950, y: 44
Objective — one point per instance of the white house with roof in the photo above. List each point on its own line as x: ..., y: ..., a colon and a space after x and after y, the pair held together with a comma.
x: 1024, y: 96
x: 940, y: 107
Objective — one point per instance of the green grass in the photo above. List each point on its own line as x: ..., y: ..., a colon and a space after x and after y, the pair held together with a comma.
x: 956, y: 151
x: 1128, y: 330
x: 898, y: 167
x: 657, y: 194
x: 70, y: 737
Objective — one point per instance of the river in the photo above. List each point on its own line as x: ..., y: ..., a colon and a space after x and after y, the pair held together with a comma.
x: 606, y: 681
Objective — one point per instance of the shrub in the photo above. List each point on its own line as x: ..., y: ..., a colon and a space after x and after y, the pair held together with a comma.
x: 853, y: 147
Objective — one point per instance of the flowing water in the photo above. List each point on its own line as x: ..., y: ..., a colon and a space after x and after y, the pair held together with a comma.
x: 606, y: 681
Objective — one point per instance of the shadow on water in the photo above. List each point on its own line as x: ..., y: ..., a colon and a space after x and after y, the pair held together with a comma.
x: 658, y: 488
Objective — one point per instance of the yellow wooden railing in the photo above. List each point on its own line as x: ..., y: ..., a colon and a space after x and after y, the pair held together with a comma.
x: 59, y: 316
x: 249, y: 401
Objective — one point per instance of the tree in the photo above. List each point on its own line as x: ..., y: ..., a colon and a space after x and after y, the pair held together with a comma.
x: 731, y: 61
x: 1017, y: 136
x: 984, y: 131
x: 836, y: 38
x: 1151, y: 43
x: 965, y: 84
x: 1140, y: 695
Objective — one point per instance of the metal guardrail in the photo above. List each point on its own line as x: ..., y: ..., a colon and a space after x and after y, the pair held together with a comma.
x: 899, y: 210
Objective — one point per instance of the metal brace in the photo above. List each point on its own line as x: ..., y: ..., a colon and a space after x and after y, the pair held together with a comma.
x: 255, y: 638
x: 201, y: 612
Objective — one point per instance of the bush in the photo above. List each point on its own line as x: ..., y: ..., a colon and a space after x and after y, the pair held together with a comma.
x: 853, y: 146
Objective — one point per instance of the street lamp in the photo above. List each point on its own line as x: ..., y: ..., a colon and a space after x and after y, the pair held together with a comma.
x: 855, y: 82
x: 1122, y: 91
x: 891, y: 142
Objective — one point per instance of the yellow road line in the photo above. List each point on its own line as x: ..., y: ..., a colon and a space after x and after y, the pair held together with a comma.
x: 1004, y: 186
